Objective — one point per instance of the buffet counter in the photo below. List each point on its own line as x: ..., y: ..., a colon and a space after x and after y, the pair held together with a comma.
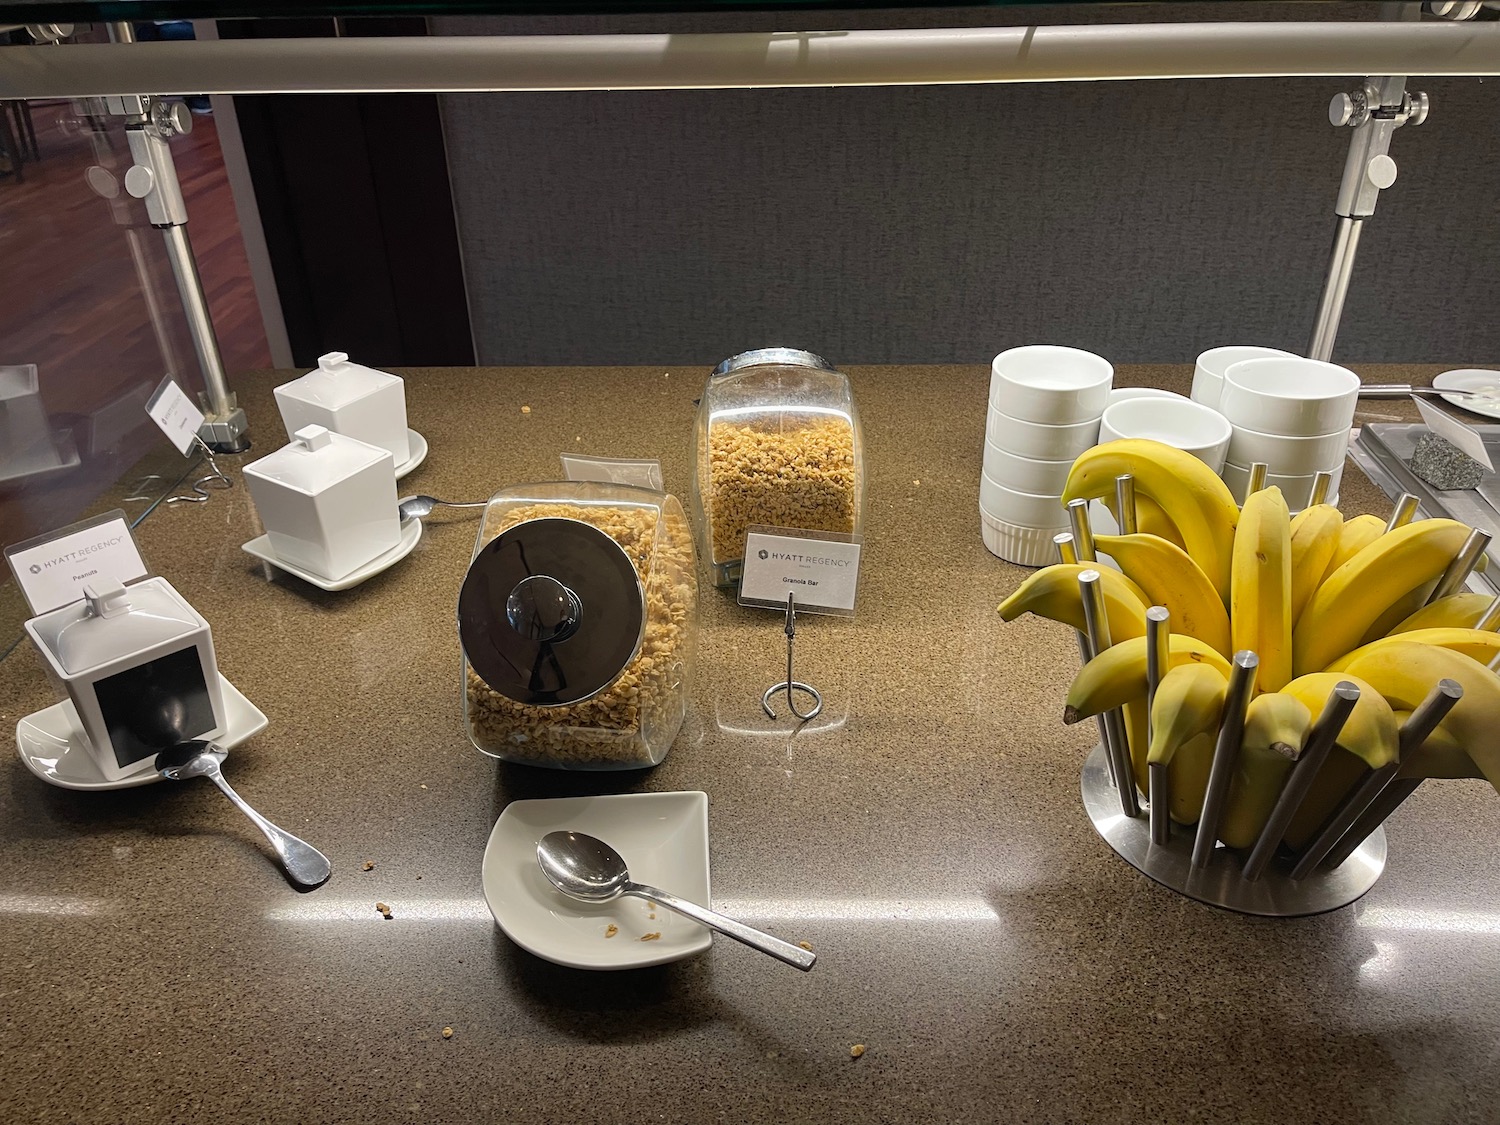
x: 989, y: 953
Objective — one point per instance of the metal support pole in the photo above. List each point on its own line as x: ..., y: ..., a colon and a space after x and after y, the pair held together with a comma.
x: 1335, y: 288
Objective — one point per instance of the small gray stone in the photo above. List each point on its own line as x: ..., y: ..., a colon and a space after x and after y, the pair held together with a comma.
x: 1443, y: 465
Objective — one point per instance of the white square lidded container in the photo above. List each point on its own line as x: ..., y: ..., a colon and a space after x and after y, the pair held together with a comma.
x: 138, y: 664
x: 328, y: 502
x: 349, y: 399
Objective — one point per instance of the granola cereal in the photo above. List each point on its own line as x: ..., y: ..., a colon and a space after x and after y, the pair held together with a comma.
x: 782, y: 470
x: 633, y: 721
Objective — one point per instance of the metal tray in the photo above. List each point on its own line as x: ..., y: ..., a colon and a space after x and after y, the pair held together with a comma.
x: 1382, y: 451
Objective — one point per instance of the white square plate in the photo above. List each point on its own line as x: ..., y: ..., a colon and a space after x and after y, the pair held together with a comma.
x: 663, y: 838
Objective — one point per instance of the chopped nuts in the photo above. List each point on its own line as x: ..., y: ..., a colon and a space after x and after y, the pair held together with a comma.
x: 856, y: 1050
x: 653, y: 936
x: 611, y: 930
x: 447, y: 1033
x: 807, y: 945
x: 628, y: 721
x: 384, y: 910
x: 369, y: 865
x: 525, y: 410
x: 784, y: 470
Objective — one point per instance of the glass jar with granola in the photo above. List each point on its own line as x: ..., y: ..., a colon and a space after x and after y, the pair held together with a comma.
x: 577, y: 620
x: 777, y: 444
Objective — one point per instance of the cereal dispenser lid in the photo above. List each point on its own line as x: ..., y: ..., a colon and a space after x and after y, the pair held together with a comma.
x: 765, y: 357
x: 551, y: 611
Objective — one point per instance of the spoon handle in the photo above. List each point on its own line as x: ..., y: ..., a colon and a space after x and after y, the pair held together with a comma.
x: 303, y: 863
x: 782, y: 950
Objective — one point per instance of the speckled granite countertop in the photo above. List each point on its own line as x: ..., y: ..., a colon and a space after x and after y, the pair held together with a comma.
x: 996, y: 959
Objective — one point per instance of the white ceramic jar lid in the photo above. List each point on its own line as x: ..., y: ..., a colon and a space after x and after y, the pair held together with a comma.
x: 316, y: 460
x: 337, y: 382
x: 113, y: 621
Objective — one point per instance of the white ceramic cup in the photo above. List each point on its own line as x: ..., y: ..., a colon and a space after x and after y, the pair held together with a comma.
x: 1051, y: 384
x: 1039, y: 440
x: 1023, y: 509
x: 1190, y: 426
x: 1208, y: 375
x: 1290, y: 395
x: 1120, y: 394
x: 1288, y: 456
x: 1296, y: 489
x: 1025, y: 474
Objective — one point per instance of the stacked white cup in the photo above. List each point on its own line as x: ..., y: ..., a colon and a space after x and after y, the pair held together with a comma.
x: 1293, y: 415
x: 1045, y: 406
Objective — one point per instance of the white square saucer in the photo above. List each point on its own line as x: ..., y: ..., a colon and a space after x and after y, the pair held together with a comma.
x: 411, y: 535
x: 53, y: 746
x: 663, y: 838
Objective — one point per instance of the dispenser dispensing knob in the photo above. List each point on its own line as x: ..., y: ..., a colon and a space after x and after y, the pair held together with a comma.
x: 1340, y: 110
x: 1381, y: 171
x: 1351, y: 109
x: 172, y: 119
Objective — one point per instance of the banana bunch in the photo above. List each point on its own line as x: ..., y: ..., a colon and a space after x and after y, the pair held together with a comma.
x: 1320, y: 600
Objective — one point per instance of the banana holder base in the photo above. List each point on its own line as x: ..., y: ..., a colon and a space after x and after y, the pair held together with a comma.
x: 1274, y: 895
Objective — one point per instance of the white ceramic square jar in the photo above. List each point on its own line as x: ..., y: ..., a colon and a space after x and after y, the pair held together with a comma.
x: 349, y: 399
x: 328, y: 502
x: 138, y: 665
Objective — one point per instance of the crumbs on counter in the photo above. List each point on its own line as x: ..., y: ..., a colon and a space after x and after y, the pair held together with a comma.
x: 525, y: 410
x: 654, y: 935
x: 385, y: 911
x: 611, y: 930
x: 447, y: 1033
x: 807, y: 945
x: 424, y: 787
x: 369, y: 865
x: 856, y: 1050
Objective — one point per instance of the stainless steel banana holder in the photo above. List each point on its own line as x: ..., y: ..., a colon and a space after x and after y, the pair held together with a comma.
x: 1345, y: 855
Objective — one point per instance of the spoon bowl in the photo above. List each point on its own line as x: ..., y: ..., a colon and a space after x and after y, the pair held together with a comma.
x: 303, y: 863
x: 588, y: 869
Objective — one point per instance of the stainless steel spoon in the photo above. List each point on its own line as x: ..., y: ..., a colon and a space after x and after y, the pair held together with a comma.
x: 589, y: 869
x: 303, y: 863
x: 420, y: 507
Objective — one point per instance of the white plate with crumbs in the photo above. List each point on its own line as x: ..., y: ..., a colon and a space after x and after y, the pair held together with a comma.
x: 1484, y: 388
x: 663, y: 838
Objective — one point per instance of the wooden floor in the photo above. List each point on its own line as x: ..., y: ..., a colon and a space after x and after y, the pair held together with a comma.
x: 79, y: 276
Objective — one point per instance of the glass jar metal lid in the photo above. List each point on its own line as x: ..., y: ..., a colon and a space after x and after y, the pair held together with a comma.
x: 551, y: 611
x: 764, y: 357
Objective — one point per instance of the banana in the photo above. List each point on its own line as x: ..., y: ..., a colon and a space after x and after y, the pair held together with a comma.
x: 1276, y: 726
x: 1149, y: 519
x: 1169, y: 577
x: 1315, y: 537
x: 1335, y: 781
x: 1404, y: 672
x: 1053, y: 593
x: 1398, y: 611
x: 1438, y: 756
x: 1370, y: 732
x: 1353, y: 597
x: 1456, y: 611
x: 1196, y: 501
x: 1354, y: 536
x: 1184, y: 724
x: 1476, y: 644
x: 1261, y: 587
x: 1117, y: 676
x: 1135, y: 730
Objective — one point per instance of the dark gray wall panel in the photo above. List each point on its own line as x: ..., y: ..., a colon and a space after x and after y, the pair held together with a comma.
x: 1146, y: 221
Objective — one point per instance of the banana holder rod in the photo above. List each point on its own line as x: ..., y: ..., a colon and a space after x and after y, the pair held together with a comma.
x: 1328, y: 843
x: 1226, y: 754
x: 1158, y: 785
x: 1117, y: 743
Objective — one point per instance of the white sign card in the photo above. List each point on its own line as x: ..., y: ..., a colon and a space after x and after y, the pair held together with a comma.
x: 51, y: 570
x: 613, y: 470
x: 820, y: 568
x: 1450, y: 428
x: 176, y: 414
